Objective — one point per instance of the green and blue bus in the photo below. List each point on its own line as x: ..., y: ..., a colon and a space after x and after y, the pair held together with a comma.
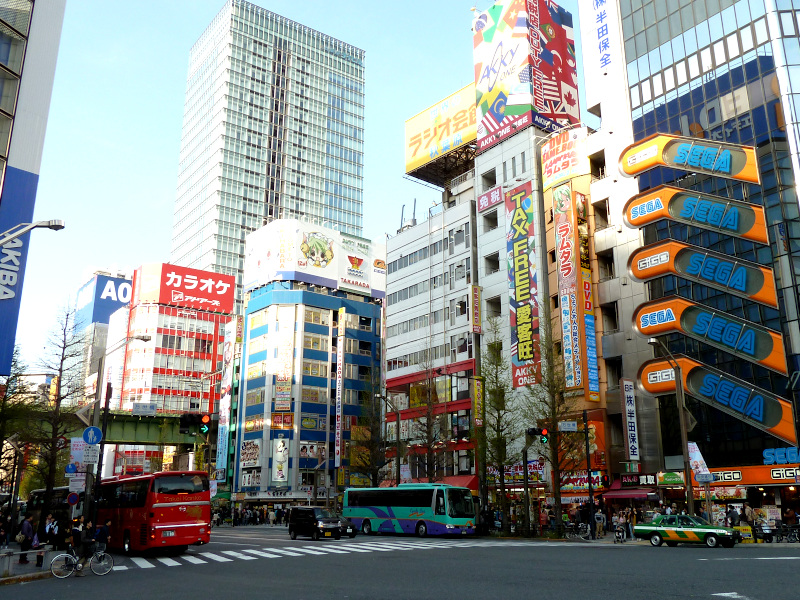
x: 418, y: 508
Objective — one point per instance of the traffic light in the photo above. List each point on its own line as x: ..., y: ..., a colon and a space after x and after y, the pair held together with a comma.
x: 184, y: 424
x: 205, y: 423
x: 540, y: 431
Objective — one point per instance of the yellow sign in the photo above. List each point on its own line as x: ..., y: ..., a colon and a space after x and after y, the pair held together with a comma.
x: 441, y: 128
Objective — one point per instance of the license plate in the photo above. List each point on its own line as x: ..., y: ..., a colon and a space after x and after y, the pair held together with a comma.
x: 168, y: 533
x: 463, y: 532
x: 327, y: 534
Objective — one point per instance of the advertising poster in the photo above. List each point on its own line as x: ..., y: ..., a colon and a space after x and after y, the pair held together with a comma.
x: 566, y: 264
x: 525, y: 69
x: 287, y: 249
x: 223, y: 426
x: 250, y: 454
x: 697, y: 461
x: 476, y: 318
x: 339, y: 386
x: 184, y: 287
x: 631, y: 424
x: 441, y: 128
x: 280, y: 460
x: 564, y: 156
x: 522, y: 290
x: 589, y: 333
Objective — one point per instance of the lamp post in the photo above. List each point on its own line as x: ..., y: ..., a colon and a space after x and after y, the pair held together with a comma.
x: 687, y: 471
x: 396, y: 411
x: 18, y: 230
x: 104, y: 428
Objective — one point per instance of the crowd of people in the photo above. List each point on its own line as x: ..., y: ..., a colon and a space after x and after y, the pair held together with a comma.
x: 260, y: 515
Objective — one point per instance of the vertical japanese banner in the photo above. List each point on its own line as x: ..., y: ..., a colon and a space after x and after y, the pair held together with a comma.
x: 477, y: 408
x: 475, y: 315
x: 566, y: 263
x: 631, y: 425
x: 284, y: 367
x: 339, y: 385
x: 223, y: 426
x: 523, y: 307
x: 587, y: 300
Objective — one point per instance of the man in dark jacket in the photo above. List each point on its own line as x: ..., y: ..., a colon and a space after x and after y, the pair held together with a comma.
x: 102, y: 536
x: 27, y: 531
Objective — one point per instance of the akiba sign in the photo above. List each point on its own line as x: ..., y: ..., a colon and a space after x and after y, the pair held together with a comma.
x: 691, y: 154
x: 717, y: 328
x: 731, y: 395
x: 719, y: 271
x: 714, y: 213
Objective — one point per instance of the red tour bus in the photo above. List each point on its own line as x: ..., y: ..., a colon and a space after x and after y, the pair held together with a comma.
x: 170, y: 509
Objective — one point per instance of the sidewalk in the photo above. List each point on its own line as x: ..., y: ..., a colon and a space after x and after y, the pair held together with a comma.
x: 13, y: 572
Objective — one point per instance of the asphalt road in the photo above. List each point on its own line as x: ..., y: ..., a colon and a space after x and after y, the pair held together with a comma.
x: 261, y: 562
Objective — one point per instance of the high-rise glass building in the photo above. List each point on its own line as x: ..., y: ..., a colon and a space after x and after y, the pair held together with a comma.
x: 273, y: 128
x: 715, y: 71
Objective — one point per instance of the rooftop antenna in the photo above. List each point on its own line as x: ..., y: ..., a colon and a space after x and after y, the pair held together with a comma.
x: 402, y: 214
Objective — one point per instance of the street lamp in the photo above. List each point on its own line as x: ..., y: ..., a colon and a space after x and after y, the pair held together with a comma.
x: 687, y: 472
x: 23, y: 228
x: 396, y: 411
x: 95, y: 417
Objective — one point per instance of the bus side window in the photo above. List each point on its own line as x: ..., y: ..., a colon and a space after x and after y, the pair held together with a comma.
x: 439, y: 502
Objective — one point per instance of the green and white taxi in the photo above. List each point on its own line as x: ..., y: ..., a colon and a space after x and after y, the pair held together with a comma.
x: 683, y: 529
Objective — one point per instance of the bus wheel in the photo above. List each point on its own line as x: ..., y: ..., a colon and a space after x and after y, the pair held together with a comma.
x: 422, y: 529
x: 366, y: 526
x: 126, y: 543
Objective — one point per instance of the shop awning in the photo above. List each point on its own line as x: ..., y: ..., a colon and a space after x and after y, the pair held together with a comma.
x: 631, y: 493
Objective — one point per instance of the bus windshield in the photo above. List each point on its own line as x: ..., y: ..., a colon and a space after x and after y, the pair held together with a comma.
x: 460, y: 504
x: 180, y: 484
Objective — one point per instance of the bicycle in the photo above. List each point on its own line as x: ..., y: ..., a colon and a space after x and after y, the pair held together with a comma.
x: 581, y: 530
x: 64, y: 565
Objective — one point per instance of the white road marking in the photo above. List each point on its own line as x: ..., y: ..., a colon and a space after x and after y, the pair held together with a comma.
x: 731, y: 595
x: 235, y: 554
x: 755, y: 558
x: 314, y: 551
x: 262, y: 554
x: 169, y: 562
x: 193, y: 559
x: 324, y: 549
x: 216, y: 557
x: 120, y: 568
x: 142, y: 563
x: 282, y: 551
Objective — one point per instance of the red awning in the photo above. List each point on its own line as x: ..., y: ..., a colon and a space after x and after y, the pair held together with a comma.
x: 633, y: 493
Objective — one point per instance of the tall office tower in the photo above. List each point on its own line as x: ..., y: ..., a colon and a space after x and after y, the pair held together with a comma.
x: 273, y: 128
x: 715, y: 72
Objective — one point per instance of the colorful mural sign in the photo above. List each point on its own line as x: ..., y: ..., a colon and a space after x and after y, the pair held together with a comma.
x: 564, y: 156
x: 522, y: 290
x: 714, y: 213
x: 525, y: 69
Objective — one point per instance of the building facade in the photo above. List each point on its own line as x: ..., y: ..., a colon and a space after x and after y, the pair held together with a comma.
x: 715, y: 72
x: 311, y: 356
x: 273, y: 128
x: 28, y: 62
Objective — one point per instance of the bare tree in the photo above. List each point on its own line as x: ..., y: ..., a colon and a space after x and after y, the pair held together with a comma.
x: 368, y: 449
x: 55, y: 417
x: 504, y: 423
x: 15, y: 400
x: 547, y: 402
x: 429, y: 426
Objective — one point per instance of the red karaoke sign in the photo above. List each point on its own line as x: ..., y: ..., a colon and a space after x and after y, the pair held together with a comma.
x: 185, y: 287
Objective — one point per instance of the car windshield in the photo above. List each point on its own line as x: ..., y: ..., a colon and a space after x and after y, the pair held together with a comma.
x: 323, y: 513
x: 460, y: 503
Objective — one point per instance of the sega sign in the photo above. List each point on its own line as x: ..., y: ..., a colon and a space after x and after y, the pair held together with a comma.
x: 781, y: 456
x: 100, y: 298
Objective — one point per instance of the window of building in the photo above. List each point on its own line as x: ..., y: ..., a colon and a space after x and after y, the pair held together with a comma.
x: 613, y: 371
x: 315, y: 342
x: 554, y: 301
x: 492, y: 263
x: 610, y: 317
x: 488, y: 180
x: 315, y: 368
x: 490, y: 221
x: 605, y: 265
x: 493, y: 307
x: 600, y: 214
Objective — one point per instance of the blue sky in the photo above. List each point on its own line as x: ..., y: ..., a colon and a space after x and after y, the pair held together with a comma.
x: 111, y: 152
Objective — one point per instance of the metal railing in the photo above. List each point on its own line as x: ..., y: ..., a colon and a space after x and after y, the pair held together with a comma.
x: 455, y: 181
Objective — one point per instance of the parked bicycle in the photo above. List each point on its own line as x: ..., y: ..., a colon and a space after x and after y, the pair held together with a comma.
x: 64, y: 565
x: 581, y: 530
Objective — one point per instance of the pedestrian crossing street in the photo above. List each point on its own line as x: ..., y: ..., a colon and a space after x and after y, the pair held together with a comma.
x: 223, y: 556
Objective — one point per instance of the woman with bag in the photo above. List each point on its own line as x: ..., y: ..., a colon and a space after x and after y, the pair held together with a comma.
x: 25, y: 538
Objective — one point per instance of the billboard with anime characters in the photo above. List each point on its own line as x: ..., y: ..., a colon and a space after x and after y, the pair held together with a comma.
x: 290, y: 250
x: 525, y: 69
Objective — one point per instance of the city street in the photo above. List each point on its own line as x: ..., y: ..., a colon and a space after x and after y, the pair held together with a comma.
x: 255, y: 562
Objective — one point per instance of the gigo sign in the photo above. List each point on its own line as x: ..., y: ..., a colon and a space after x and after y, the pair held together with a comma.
x: 719, y: 271
x: 717, y: 328
x: 731, y: 395
x: 714, y: 213
x: 691, y: 154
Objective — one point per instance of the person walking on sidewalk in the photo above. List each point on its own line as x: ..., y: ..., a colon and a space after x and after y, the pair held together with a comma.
x: 27, y: 531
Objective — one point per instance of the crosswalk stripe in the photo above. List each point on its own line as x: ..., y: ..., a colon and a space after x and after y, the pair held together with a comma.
x: 142, y: 563
x: 282, y: 551
x: 314, y: 551
x: 235, y: 554
x: 379, y: 545
x: 326, y: 549
x: 262, y: 554
x: 216, y: 557
x: 168, y: 561
x: 354, y: 548
x: 120, y: 568
x: 193, y: 559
